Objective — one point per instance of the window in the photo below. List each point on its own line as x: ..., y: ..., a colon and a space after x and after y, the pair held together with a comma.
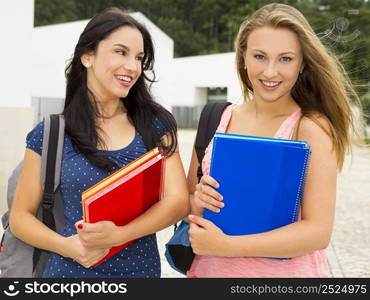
x: 216, y: 94
x: 43, y: 106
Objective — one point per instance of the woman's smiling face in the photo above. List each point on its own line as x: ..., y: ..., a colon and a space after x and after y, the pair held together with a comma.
x: 273, y: 60
x: 116, y: 64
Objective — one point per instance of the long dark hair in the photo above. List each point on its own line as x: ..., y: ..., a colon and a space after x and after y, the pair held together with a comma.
x: 80, y: 109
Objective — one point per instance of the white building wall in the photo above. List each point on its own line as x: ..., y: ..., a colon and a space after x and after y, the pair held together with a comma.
x: 16, y: 116
x: 16, y: 23
x: 163, y: 64
x: 192, y: 75
x: 52, y: 47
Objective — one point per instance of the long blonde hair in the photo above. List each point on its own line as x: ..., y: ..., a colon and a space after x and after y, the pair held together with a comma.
x: 322, y: 89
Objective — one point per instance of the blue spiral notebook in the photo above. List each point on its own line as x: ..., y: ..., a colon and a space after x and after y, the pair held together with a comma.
x: 261, y: 180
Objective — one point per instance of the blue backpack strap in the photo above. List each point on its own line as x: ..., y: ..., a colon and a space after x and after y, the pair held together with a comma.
x: 208, y: 123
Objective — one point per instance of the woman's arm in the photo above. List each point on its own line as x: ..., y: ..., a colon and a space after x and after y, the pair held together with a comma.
x: 201, y: 195
x: 311, y: 233
x: 170, y: 209
x: 31, y: 230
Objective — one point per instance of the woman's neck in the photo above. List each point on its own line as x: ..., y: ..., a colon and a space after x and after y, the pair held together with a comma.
x: 111, y: 108
x: 270, y: 110
x: 107, y: 108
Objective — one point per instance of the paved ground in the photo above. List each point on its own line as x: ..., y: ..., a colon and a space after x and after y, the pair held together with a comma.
x: 349, y: 250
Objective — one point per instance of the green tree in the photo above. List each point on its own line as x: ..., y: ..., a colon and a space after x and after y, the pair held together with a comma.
x: 210, y: 26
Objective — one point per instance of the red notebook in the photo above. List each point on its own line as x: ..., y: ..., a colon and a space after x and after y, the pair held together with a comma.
x: 125, y: 194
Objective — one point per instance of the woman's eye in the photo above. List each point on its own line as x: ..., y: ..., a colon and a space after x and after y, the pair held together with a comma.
x: 286, y: 59
x: 120, y: 52
x: 259, y: 56
x: 140, y: 58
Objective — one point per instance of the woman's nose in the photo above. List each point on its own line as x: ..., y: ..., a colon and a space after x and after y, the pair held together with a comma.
x: 130, y: 65
x: 270, y: 71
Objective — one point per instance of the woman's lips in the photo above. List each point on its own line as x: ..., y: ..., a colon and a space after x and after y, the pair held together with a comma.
x: 270, y: 85
x: 124, y: 80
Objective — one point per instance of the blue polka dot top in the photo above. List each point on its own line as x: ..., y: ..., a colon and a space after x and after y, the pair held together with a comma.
x: 141, y: 258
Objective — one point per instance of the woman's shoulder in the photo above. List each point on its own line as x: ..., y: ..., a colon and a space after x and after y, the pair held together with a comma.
x: 160, y: 126
x: 38, y: 128
x: 315, y: 128
x: 34, y: 138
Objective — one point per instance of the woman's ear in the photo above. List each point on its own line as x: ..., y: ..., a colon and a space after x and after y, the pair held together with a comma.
x: 86, y: 60
x: 245, y: 61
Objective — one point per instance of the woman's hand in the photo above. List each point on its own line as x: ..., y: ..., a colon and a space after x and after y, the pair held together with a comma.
x: 205, y: 196
x: 81, y: 254
x: 206, y: 238
x: 103, y: 234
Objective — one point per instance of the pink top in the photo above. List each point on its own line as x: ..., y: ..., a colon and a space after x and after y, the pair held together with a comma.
x: 309, y: 265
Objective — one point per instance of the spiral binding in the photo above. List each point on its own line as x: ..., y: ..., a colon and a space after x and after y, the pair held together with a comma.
x: 301, y: 184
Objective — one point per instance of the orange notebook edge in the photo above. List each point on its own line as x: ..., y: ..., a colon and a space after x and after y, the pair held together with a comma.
x: 125, y: 170
x: 133, y: 172
x: 119, y: 173
x: 161, y: 193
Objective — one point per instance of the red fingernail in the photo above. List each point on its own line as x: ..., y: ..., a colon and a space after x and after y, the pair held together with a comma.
x: 80, y: 226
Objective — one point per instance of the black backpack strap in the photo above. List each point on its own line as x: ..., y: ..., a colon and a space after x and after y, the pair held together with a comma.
x: 209, y: 119
x: 49, y: 195
x: 53, y: 160
x: 208, y: 123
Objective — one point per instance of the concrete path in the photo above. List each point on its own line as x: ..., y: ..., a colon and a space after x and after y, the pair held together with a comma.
x: 349, y: 251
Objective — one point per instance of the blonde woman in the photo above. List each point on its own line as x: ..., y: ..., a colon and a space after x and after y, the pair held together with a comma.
x: 294, y: 88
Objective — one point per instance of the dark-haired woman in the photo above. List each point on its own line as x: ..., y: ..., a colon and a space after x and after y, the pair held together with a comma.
x: 111, y: 119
